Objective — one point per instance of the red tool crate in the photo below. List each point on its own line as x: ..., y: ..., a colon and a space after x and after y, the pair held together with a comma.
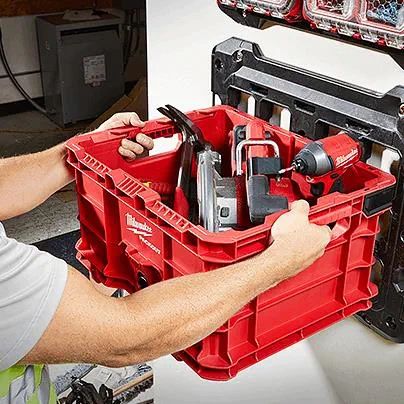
x: 130, y: 239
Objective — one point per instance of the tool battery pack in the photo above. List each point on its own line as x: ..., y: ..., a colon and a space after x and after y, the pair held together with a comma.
x: 131, y: 238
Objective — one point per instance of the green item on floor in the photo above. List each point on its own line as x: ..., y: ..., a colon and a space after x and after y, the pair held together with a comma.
x: 26, y: 384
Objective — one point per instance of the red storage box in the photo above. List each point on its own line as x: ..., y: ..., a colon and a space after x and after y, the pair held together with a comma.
x: 288, y: 10
x: 130, y: 239
x: 380, y: 22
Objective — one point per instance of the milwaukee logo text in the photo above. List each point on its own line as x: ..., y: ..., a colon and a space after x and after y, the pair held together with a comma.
x: 343, y: 159
x: 142, y: 229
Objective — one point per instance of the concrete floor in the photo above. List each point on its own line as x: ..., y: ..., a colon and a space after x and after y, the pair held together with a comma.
x: 58, y: 215
x: 29, y: 132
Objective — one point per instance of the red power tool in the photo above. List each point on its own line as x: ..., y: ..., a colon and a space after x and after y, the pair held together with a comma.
x: 318, y: 167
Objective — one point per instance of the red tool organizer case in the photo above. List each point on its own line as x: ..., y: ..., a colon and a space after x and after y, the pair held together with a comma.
x: 131, y: 239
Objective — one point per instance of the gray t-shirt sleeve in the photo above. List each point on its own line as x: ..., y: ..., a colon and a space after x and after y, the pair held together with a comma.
x: 31, y: 286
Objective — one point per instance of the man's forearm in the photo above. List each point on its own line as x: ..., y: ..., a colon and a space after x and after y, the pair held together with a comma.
x: 162, y: 319
x: 173, y: 315
x: 27, y: 181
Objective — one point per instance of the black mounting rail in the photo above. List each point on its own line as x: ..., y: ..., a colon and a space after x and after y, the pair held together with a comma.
x: 318, y: 103
x: 259, y: 21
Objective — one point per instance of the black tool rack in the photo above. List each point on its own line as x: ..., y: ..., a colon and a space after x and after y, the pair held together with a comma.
x: 317, y: 104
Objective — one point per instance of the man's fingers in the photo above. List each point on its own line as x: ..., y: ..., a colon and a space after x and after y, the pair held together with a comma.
x: 145, y: 141
x: 301, y: 206
x: 119, y: 120
x: 127, y: 153
x: 128, y: 118
x: 132, y: 146
x: 122, y: 119
x: 134, y: 120
x: 328, y: 232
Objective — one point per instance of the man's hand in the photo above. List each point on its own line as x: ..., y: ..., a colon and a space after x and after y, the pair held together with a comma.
x: 128, y: 148
x: 297, y: 242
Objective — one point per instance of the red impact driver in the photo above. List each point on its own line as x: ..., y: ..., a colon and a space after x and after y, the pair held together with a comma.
x: 319, y: 166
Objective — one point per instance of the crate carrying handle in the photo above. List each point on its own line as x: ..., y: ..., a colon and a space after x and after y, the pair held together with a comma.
x: 340, y: 228
x: 154, y: 129
x: 339, y: 221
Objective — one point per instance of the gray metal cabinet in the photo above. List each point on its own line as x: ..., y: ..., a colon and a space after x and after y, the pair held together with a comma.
x: 82, y: 66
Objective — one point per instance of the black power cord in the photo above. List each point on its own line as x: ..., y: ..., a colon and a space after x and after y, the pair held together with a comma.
x: 134, y: 51
x: 132, y: 22
x: 12, y: 78
x: 128, y: 40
